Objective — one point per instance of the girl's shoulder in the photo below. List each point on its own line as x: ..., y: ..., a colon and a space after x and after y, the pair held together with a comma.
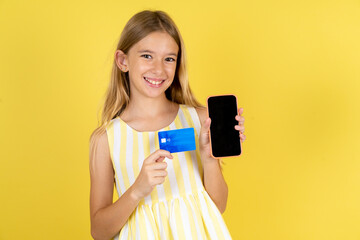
x: 201, y: 112
x: 112, y: 121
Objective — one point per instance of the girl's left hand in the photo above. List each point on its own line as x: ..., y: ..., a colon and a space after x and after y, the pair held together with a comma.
x: 204, y: 138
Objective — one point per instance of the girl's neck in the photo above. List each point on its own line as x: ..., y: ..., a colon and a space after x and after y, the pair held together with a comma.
x: 148, y: 108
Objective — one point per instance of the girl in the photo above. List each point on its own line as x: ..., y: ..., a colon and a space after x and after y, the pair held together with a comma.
x: 161, y: 195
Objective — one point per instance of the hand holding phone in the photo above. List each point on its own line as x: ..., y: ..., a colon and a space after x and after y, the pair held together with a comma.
x: 224, y: 138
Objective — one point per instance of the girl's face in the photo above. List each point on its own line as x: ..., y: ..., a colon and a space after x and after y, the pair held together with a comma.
x: 151, y: 63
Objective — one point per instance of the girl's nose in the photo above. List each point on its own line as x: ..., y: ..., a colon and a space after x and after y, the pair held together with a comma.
x: 158, y: 67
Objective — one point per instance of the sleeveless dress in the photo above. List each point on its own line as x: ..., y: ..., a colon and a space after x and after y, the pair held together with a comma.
x: 180, y: 208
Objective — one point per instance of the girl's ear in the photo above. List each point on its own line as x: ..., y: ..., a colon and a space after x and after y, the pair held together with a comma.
x: 121, y: 60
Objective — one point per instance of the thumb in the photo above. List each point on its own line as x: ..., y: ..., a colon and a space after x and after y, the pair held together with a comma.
x: 158, y: 155
x: 206, y: 126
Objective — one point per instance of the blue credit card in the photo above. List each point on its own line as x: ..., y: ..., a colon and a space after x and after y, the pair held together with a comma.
x: 178, y: 140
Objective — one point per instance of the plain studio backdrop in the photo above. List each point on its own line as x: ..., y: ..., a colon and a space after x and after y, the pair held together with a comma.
x: 294, y: 66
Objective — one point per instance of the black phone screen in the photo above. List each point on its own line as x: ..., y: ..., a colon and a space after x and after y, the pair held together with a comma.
x: 225, y: 140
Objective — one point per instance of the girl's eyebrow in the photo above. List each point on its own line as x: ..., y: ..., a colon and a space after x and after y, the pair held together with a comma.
x: 149, y: 51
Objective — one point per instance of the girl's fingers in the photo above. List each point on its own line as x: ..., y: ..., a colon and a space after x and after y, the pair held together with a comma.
x: 160, y: 173
x: 240, y: 128
x: 159, y: 180
x: 159, y: 165
x: 240, y: 118
x: 160, y: 159
x: 158, y: 155
x: 242, y: 137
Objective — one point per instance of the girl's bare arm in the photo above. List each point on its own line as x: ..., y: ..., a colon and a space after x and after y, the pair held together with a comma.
x: 107, y: 218
x: 215, y: 184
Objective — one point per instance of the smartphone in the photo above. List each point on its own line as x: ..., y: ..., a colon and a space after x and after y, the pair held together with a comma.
x: 224, y: 138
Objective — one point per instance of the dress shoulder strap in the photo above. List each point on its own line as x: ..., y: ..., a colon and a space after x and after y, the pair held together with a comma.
x: 111, y: 131
x: 192, y: 117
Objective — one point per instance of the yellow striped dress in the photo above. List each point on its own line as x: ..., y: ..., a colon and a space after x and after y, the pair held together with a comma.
x: 180, y: 208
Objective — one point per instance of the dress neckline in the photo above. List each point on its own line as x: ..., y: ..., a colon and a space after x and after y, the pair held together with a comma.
x: 133, y: 129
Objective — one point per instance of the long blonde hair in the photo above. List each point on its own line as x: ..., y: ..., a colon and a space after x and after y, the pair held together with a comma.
x: 118, y: 93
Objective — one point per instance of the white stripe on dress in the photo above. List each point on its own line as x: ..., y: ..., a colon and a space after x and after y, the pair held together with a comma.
x: 196, y: 220
x: 185, y: 218
x: 116, y: 155
x: 206, y: 218
x: 196, y: 122
x: 124, y: 232
x: 172, y: 221
x: 137, y: 231
x: 195, y: 119
x: 168, y: 216
x: 149, y: 229
x: 161, y: 230
x: 141, y: 150
x: 129, y: 155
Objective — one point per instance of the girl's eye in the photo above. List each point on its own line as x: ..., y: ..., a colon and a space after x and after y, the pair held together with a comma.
x: 146, y: 56
x: 170, y: 59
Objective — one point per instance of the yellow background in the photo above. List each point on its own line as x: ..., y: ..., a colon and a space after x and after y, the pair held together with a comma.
x: 294, y: 66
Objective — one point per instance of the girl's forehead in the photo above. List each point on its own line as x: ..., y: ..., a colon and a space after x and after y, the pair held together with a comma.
x: 157, y: 41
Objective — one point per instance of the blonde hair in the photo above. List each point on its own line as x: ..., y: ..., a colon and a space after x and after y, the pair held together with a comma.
x: 118, y: 93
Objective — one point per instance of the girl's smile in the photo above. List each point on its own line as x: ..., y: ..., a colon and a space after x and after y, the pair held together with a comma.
x: 153, y: 82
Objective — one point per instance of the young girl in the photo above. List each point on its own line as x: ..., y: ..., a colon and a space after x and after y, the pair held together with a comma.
x: 161, y: 195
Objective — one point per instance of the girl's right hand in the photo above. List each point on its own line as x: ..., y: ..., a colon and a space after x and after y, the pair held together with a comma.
x: 152, y: 173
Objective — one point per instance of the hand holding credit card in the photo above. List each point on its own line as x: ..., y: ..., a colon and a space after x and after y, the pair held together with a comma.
x: 178, y: 140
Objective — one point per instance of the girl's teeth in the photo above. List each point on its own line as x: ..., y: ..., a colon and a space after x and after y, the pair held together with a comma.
x: 153, y: 82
